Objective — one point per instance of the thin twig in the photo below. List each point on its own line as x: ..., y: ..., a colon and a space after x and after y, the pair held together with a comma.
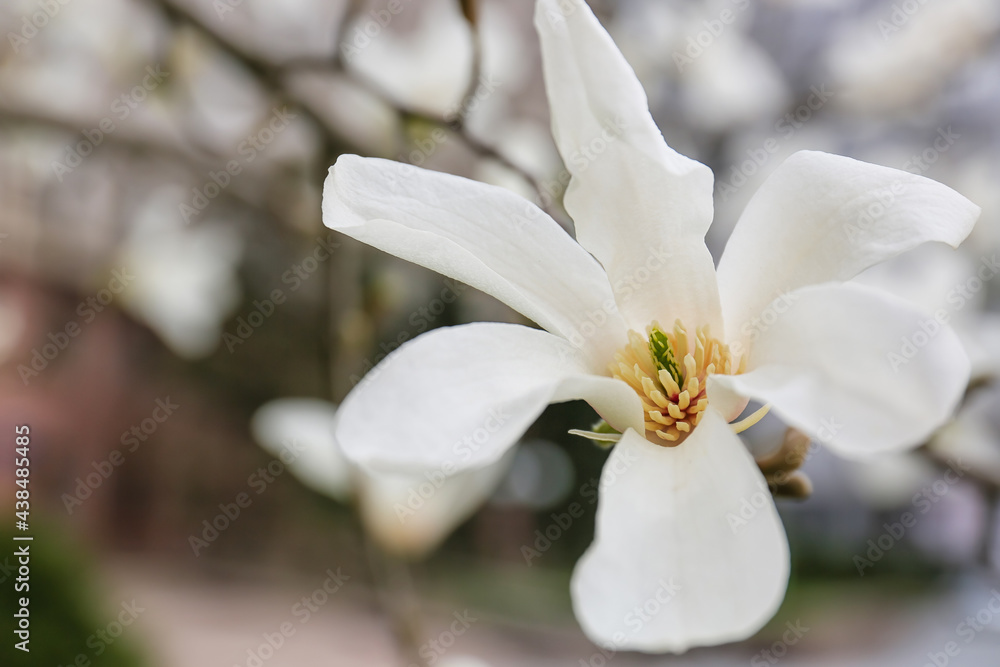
x: 988, y: 486
x: 456, y: 123
x: 271, y: 76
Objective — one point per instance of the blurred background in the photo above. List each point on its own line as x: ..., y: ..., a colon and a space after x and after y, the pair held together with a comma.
x: 164, y: 273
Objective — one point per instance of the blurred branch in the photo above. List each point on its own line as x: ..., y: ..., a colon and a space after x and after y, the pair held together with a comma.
x: 941, y: 461
x: 456, y: 123
x: 196, y: 161
x: 272, y: 77
x: 144, y: 142
x: 989, y: 487
x: 468, y: 8
x: 992, y: 528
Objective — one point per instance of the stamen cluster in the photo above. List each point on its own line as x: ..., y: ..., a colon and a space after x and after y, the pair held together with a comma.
x: 672, y: 392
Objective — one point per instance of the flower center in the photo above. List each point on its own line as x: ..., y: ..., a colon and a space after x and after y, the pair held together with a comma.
x: 669, y: 371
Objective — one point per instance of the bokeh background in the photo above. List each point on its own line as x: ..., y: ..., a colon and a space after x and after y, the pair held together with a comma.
x: 161, y: 166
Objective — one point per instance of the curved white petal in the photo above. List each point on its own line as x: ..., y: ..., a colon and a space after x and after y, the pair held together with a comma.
x: 299, y: 431
x: 459, y: 397
x: 821, y: 218
x: 689, y: 549
x: 858, y: 369
x: 482, y: 235
x: 641, y: 208
x: 411, y: 514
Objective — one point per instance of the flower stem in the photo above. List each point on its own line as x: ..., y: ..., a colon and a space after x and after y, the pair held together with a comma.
x: 399, y: 599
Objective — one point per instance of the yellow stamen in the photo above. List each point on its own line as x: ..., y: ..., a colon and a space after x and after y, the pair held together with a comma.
x: 668, y: 383
x: 684, y: 400
x: 740, y: 426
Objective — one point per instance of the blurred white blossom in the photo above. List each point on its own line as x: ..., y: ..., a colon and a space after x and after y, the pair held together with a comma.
x: 896, y: 55
x: 185, y: 276
x: 408, y: 514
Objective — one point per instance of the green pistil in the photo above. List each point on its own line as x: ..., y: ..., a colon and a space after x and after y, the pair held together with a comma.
x: 663, y: 355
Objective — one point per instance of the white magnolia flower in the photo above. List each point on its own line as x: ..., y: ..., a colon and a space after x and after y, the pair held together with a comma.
x: 776, y: 323
x: 408, y: 514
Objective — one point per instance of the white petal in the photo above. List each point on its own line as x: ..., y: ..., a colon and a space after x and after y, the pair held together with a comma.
x: 480, y: 234
x: 300, y: 432
x: 697, y: 518
x: 411, y: 514
x: 641, y: 208
x: 459, y: 397
x: 858, y: 369
x: 821, y: 218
